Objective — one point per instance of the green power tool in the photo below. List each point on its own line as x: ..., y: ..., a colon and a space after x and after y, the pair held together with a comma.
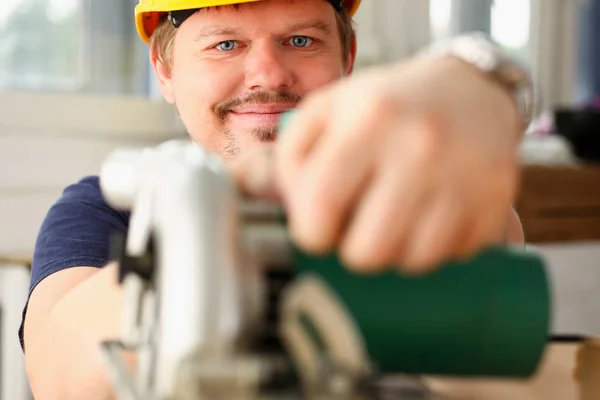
x: 490, y: 316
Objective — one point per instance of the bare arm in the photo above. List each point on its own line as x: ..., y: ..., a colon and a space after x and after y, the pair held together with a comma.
x: 69, y: 314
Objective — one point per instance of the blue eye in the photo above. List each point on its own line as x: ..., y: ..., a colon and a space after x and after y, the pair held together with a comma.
x: 227, y: 45
x: 301, y: 41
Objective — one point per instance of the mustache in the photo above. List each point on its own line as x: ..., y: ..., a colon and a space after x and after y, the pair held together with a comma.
x: 281, y: 97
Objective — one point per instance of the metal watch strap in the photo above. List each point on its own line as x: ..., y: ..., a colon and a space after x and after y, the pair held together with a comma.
x: 480, y: 51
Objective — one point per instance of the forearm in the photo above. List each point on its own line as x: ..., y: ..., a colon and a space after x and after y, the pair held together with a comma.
x: 63, y: 354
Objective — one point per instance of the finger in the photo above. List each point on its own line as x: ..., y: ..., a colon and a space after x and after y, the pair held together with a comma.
x: 300, y: 135
x: 386, y: 215
x: 489, y: 226
x: 332, y: 176
x: 437, y: 234
x: 467, y: 245
x: 487, y: 230
x: 378, y: 230
x: 474, y: 239
x: 328, y: 183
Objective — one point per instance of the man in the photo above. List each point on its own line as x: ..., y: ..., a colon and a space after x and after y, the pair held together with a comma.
x: 408, y: 164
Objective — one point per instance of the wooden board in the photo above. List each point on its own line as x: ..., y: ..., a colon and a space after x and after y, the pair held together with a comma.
x: 560, y: 204
x: 554, y: 381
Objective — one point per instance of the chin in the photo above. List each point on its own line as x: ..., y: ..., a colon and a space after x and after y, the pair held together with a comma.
x: 244, y: 141
x: 266, y: 134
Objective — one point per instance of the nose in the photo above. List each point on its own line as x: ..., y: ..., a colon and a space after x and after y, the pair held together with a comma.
x: 267, y: 68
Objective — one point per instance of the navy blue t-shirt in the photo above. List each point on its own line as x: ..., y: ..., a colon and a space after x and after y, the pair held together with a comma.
x: 76, y: 232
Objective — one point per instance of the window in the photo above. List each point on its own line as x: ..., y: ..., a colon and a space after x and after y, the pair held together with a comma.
x: 507, y: 21
x: 40, y: 44
x: 441, y: 18
x: 511, y: 20
x: 72, y: 45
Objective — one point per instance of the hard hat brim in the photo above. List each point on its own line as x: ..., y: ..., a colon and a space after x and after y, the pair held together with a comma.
x: 148, y: 16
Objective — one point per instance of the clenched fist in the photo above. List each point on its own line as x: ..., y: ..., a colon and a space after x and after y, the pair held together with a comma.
x: 407, y: 165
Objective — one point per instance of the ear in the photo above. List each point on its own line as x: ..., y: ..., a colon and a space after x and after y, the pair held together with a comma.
x: 163, y: 75
x: 351, y: 56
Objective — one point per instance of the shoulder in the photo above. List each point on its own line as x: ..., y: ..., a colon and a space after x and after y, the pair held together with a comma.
x: 86, y: 191
x: 85, y: 199
x: 88, y: 186
x: 76, y: 230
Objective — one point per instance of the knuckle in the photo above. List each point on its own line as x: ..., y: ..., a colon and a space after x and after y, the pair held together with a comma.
x: 359, y: 249
x: 377, y: 105
x: 350, y: 259
x: 359, y: 261
x: 309, y: 236
x: 426, y: 145
x: 323, y: 197
x: 316, y: 225
x: 381, y: 101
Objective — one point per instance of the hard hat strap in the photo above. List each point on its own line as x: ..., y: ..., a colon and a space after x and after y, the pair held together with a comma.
x: 178, y: 17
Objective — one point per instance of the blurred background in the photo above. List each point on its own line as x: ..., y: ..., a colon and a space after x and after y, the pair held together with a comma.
x: 75, y: 83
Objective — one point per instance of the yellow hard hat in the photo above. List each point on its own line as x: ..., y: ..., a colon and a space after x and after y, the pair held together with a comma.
x: 148, y: 13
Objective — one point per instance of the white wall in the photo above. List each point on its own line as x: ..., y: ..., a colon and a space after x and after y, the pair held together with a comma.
x: 575, y: 280
x: 50, y: 141
x: 389, y: 30
x: 554, y: 50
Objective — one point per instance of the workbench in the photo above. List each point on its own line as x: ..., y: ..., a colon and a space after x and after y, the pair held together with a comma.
x: 554, y: 381
x: 560, y: 204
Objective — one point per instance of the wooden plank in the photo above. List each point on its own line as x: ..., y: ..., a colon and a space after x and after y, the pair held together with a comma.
x: 556, y: 189
x: 557, y: 229
x: 560, y: 204
x: 554, y: 381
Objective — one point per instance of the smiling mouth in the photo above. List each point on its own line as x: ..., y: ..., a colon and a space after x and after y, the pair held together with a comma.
x: 267, y: 109
x: 260, y: 114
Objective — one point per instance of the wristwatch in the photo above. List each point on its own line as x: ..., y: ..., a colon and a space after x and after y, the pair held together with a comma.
x: 480, y: 51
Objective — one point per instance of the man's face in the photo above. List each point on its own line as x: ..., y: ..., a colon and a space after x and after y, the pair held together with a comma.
x: 235, y: 69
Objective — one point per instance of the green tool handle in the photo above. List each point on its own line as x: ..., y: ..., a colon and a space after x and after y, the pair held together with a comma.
x: 486, y: 317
